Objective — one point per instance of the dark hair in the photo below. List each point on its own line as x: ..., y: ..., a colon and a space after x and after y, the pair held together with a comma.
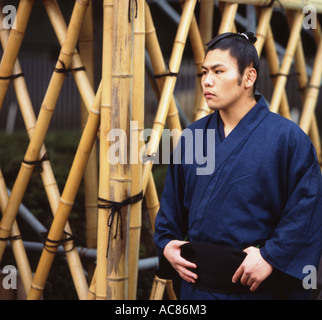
x: 241, y: 48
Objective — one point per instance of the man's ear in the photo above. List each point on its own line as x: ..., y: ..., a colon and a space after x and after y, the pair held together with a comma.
x: 250, y: 77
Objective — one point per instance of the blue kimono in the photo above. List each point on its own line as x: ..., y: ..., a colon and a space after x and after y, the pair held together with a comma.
x: 265, y: 190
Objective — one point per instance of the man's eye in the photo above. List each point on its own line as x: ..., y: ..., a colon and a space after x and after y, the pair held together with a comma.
x: 218, y: 71
x: 204, y: 73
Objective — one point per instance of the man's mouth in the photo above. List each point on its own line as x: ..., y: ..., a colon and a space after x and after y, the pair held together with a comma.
x: 208, y: 95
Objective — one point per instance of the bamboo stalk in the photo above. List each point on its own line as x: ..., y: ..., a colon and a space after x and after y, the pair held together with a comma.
x: 228, y: 17
x: 91, y: 290
x: 47, y: 175
x: 168, y: 87
x: 158, y: 65
x: 312, y: 92
x: 82, y: 78
x: 91, y: 172
x: 152, y: 201
x: 287, y: 4
x: 153, y: 205
x: 136, y: 164
x: 42, y: 125
x: 68, y: 197
x: 200, y: 105
x: 167, y: 91
x: 17, y: 245
x: 104, y: 169
x: 274, y: 67
x: 206, y: 19
x: 286, y: 64
x: 309, y: 127
x: 157, y: 290
x: 262, y: 28
x: 14, y: 43
x: 120, y: 175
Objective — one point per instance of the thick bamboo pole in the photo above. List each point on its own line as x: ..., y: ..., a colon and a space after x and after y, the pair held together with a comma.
x: 86, y: 49
x: 67, y: 199
x: 17, y: 244
x: 120, y: 175
x: 104, y: 168
x: 14, y: 43
x: 168, y: 87
x: 43, y: 122
x: 46, y: 174
x: 82, y: 78
x: 136, y: 128
x: 286, y: 64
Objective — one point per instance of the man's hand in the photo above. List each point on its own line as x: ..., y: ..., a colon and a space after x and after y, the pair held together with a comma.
x: 172, y: 252
x: 253, y: 270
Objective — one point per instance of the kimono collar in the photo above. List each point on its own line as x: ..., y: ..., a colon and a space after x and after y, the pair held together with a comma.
x: 224, y: 149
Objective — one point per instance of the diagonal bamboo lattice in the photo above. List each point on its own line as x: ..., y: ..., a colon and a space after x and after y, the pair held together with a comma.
x: 119, y: 103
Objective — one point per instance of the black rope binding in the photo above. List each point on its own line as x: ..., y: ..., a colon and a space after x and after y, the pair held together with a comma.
x: 67, y: 71
x: 38, y: 163
x: 116, y: 209
x: 12, y: 77
x: 11, y: 238
x: 56, y: 243
x: 168, y: 74
x: 285, y: 75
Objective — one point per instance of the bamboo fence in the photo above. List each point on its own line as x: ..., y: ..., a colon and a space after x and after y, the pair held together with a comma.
x: 114, y: 191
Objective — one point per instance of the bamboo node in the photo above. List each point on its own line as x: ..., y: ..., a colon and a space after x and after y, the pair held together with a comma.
x: 122, y: 76
x: 95, y: 111
x: 67, y: 203
x: 36, y: 287
x: 47, y: 108
x: 116, y: 279
x: 83, y: 2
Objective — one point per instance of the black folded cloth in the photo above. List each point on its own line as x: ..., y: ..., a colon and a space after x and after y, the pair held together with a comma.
x: 216, y: 265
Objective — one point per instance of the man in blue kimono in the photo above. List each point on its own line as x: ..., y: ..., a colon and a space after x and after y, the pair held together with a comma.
x: 247, y: 229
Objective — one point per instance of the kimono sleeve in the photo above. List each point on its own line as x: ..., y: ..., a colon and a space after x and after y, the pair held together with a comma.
x: 296, y: 241
x: 171, y: 220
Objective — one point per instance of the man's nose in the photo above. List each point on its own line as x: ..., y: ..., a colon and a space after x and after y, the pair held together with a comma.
x: 208, y: 81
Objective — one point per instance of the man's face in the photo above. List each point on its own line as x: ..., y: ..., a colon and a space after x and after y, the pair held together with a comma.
x: 221, y: 82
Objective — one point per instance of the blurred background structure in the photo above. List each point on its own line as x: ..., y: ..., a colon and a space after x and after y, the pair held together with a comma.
x: 73, y: 70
